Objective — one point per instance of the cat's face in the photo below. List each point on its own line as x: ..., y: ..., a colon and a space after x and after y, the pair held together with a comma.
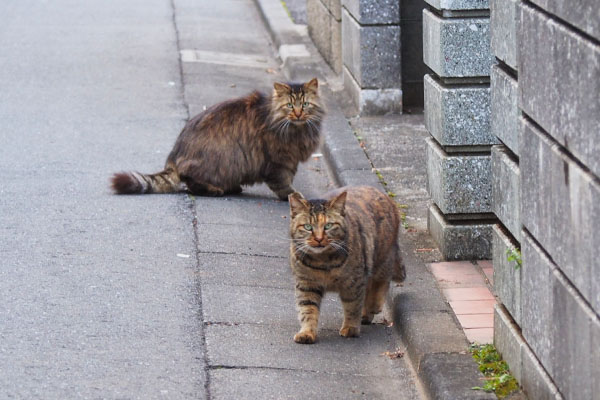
x: 297, y: 104
x: 318, y: 226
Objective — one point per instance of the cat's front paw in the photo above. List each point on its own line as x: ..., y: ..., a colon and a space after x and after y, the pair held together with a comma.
x: 305, y: 337
x: 350, y: 331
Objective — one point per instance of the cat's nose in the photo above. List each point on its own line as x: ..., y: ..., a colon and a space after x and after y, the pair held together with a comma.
x: 298, y: 115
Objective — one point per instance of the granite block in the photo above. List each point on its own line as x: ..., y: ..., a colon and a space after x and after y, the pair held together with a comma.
x: 504, y: 19
x: 505, y: 112
x: 560, y: 206
x: 319, y: 26
x: 457, y: 47
x: 559, y: 82
x: 325, y: 31
x: 507, y: 274
x: 535, y: 380
x: 459, y: 4
x: 572, y: 326
x: 371, y: 53
x: 508, y: 340
x: 334, y: 7
x: 460, y: 241
x: 372, y: 101
x: 370, y: 12
x: 562, y: 334
x: 506, y: 191
x: 459, y: 184
x: 536, y: 301
x: 585, y: 15
x: 458, y: 115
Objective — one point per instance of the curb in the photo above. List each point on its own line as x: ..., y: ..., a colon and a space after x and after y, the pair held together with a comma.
x: 436, y: 347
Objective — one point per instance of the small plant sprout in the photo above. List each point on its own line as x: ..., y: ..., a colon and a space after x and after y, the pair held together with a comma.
x: 514, y: 255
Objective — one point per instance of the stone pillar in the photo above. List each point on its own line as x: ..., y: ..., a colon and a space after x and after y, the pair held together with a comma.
x: 325, y: 29
x: 456, y: 46
x: 546, y: 193
x: 371, y: 55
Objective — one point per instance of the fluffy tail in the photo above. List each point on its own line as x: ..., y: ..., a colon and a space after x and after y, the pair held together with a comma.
x: 166, y: 181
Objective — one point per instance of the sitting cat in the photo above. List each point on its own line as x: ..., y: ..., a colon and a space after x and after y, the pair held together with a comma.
x: 243, y: 141
x: 346, y: 244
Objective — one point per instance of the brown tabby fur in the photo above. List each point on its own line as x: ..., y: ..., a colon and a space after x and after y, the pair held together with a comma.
x: 248, y: 140
x: 350, y: 246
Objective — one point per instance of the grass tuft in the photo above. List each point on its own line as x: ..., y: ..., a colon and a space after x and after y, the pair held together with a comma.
x: 497, y: 376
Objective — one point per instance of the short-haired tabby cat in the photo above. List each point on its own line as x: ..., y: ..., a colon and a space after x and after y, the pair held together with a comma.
x: 347, y: 243
x: 252, y: 139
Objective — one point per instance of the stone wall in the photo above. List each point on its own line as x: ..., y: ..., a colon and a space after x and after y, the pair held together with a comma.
x: 456, y: 47
x: 545, y: 106
x: 325, y: 29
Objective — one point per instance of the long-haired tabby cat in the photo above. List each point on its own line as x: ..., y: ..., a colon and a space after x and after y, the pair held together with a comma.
x: 252, y: 139
x: 347, y: 243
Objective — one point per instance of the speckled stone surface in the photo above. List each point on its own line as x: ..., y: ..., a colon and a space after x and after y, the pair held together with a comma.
x: 372, y: 101
x: 560, y: 207
x: 505, y: 108
x: 559, y: 83
x: 459, y: 184
x: 584, y: 14
x: 326, y: 32
x: 506, y: 189
x: 559, y: 326
x: 507, y: 278
x: 508, y: 340
x: 371, y: 53
x: 460, y: 241
x: 458, y: 115
x: 459, y: 4
x: 368, y: 12
x: 504, y: 18
x: 457, y: 47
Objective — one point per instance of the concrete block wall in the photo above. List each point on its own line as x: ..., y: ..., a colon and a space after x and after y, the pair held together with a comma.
x: 371, y: 56
x: 325, y: 29
x: 545, y: 113
x: 456, y: 47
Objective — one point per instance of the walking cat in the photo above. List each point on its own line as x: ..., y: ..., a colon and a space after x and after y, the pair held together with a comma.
x: 252, y: 139
x: 347, y: 243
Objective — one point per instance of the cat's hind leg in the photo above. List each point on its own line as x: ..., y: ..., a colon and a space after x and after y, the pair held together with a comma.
x: 202, y: 188
x: 376, y: 292
x: 308, y: 302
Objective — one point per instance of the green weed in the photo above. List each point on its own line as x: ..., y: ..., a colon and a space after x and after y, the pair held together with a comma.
x: 497, y: 376
x: 514, y: 255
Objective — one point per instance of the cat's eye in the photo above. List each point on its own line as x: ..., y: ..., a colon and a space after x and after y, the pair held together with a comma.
x: 308, y: 227
x: 305, y: 104
x: 290, y: 105
x: 328, y: 225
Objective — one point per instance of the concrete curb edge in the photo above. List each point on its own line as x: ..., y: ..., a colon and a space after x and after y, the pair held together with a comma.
x: 436, y: 346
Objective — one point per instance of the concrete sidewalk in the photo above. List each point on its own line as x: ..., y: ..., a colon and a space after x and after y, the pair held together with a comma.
x: 389, y: 152
x: 155, y: 296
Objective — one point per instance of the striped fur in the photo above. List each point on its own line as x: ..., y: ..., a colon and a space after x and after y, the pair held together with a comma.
x: 252, y: 139
x: 346, y: 243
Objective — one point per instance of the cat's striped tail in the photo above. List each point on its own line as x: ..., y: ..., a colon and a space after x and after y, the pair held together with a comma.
x: 166, y: 181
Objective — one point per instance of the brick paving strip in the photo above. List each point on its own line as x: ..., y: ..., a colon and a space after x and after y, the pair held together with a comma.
x: 465, y: 286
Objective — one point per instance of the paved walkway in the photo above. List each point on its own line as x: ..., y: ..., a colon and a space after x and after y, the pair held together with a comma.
x: 156, y: 296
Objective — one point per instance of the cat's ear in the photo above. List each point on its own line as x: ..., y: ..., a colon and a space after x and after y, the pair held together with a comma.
x: 297, y: 204
x: 282, y: 89
x: 338, y: 203
x: 312, y: 85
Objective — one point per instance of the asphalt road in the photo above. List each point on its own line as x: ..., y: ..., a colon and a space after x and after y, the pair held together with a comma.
x: 157, y: 296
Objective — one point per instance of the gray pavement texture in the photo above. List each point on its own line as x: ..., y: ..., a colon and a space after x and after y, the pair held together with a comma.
x: 158, y: 296
x: 394, y: 147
